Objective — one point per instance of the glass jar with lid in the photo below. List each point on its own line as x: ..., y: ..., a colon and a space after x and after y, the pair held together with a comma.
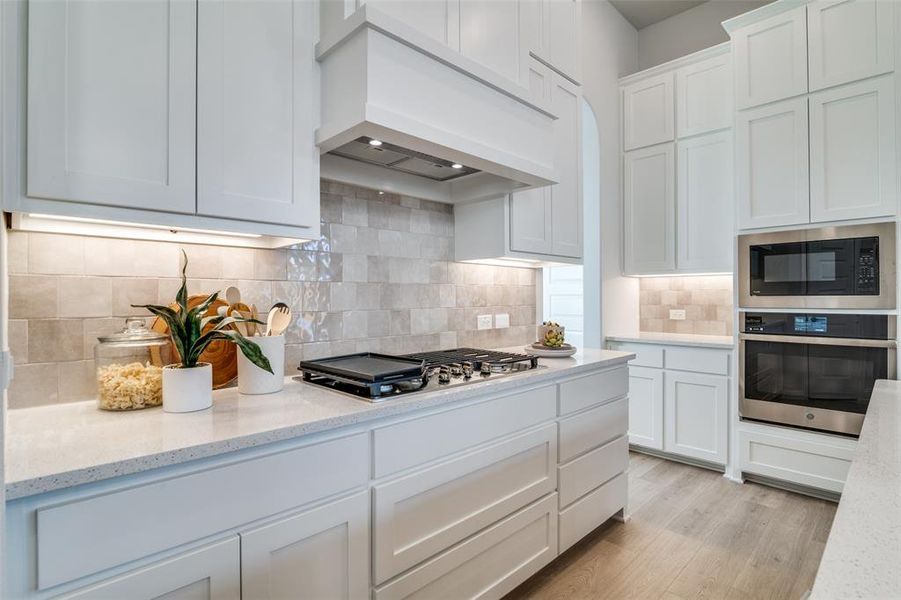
x: 129, y: 367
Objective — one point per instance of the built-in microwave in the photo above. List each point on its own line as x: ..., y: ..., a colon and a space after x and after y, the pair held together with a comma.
x: 815, y: 371
x: 832, y: 267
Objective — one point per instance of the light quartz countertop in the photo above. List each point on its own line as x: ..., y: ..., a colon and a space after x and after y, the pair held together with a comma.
x: 55, y: 447
x: 863, y: 554
x: 676, y: 339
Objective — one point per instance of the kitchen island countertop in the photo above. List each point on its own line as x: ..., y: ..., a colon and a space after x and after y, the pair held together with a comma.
x: 60, y: 446
x: 863, y: 553
x: 676, y: 339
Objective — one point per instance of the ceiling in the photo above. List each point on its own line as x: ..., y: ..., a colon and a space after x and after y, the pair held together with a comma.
x: 641, y: 13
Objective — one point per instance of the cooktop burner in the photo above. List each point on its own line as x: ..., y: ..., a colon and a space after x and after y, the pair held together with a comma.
x: 377, y: 377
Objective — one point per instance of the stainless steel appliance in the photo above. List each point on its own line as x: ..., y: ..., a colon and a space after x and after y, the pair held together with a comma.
x: 832, y: 267
x: 814, y: 371
x: 376, y: 377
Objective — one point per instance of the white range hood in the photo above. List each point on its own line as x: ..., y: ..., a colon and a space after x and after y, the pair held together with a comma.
x: 403, y: 113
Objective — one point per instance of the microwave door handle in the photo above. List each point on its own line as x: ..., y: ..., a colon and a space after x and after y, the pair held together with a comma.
x: 819, y: 341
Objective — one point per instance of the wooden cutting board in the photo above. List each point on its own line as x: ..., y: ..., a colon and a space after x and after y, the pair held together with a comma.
x: 222, y: 355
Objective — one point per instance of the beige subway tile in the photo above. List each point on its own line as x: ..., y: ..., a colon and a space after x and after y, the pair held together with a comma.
x: 204, y: 262
x: 53, y: 254
x: 85, y: 297
x: 77, y: 381
x: 94, y: 328
x: 356, y: 324
x: 236, y: 263
x: 710, y: 328
x: 18, y: 340
x: 17, y: 252
x: 53, y: 340
x: 293, y: 356
x: 34, y: 385
x: 33, y: 296
x: 270, y: 264
x: 128, y: 291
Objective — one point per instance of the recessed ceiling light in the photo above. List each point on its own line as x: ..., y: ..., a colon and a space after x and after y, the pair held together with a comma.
x: 375, y: 142
x: 456, y: 166
x: 381, y: 193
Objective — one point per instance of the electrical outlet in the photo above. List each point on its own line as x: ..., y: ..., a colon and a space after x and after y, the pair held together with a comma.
x: 483, y: 321
x: 502, y: 320
x: 677, y: 314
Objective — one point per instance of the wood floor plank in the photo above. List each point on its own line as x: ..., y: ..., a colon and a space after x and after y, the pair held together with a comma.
x: 693, y: 535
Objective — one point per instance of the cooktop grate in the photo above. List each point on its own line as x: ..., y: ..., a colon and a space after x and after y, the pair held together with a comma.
x: 473, y: 355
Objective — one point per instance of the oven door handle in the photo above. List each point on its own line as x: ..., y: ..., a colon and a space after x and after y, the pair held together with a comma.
x: 820, y: 341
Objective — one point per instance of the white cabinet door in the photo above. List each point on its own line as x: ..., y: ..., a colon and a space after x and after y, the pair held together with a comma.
x: 320, y: 553
x: 648, y: 112
x: 771, y: 59
x: 704, y: 96
x: 438, y: 19
x: 111, y: 92
x: 566, y: 196
x: 852, y: 151
x: 489, y: 34
x: 256, y: 112
x: 704, y: 202
x: 849, y: 40
x: 771, y: 165
x: 563, y: 36
x: 695, y: 416
x: 649, y: 206
x: 212, y: 572
x: 646, y: 407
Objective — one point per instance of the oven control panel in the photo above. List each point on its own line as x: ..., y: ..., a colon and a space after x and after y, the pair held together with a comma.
x: 839, y: 325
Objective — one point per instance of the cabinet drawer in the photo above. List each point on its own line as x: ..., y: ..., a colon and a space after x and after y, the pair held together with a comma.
x: 155, y: 518
x: 583, y: 392
x: 645, y: 355
x: 426, y: 512
x: 698, y: 360
x: 816, y: 464
x: 516, y: 547
x: 592, y: 510
x: 587, y: 472
x: 449, y: 432
x: 593, y: 427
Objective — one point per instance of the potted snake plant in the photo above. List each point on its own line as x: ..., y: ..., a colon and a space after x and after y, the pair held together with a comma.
x: 188, y: 385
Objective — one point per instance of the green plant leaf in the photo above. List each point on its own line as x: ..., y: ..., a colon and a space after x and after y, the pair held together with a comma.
x: 176, y: 328
x: 181, y: 298
x: 248, y: 348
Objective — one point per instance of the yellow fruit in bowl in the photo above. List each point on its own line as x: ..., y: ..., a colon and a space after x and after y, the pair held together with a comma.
x: 551, y: 334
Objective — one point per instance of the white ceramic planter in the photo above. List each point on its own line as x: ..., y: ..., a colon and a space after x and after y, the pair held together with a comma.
x: 254, y: 380
x: 187, y: 390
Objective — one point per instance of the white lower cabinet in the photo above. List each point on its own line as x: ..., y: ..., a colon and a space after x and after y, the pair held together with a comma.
x: 695, y: 416
x: 680, y: 404
x: 320, y: 553
x: 208, y: 573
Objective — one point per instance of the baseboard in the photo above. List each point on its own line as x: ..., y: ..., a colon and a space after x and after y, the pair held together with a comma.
x: 793, y: 487
x: 680, y: 459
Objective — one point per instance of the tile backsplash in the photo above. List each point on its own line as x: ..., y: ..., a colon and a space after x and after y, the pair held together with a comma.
x: 381, y: 278
x: 706, y: 300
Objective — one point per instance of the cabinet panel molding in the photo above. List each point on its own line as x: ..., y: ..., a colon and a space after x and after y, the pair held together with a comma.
x: 704, y: 96
x: 696, y: 416
x: 646, y: 407
x: 650, y: 210
x: 648, y: 112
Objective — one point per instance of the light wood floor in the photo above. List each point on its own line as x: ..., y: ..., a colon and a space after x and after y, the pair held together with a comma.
x: 693, y: 534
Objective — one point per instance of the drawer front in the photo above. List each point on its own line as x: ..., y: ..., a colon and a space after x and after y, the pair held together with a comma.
x: 809, y: 463
x: 587, y: 472
x: 155, y: 518
x: 592, y: 428
x: 698, y: 360
x: 646, y: 355
x: 424, y: 513
x: 516, y: 548
x: 449, y: 432
x: 583, y: 392
x: 588, y: 513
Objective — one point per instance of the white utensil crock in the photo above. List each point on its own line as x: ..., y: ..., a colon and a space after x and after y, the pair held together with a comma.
x: 187, y: 390
x: 254, y: 380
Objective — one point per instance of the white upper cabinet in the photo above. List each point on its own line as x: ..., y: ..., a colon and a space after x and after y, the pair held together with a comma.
x: 111, y: 92
x: 852, y: 151
x: 704, y: 202
x: 650, y: 210
x: 704, y: 96
x: 563, y: 48
x: 489, y: 34
x: 648, y: 112
x: 849, y: 40
x: 566, y: 196
x: 437, y: 19
x: 772, y: 165
x: 770, y: 59
x: 256, y: 111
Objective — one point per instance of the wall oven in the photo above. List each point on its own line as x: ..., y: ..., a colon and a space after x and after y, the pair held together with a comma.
x: 814, y: 371
x: 832, y: 267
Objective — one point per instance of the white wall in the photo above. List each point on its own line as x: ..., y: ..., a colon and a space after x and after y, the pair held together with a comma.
x: 609, y: 51
x: 695, y: 29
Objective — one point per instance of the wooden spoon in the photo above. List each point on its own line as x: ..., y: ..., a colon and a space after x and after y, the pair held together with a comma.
x: 279, y: 319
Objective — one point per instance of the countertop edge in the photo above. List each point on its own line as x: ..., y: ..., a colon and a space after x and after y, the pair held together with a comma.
x: 691, y: 343
x: 50, y: 482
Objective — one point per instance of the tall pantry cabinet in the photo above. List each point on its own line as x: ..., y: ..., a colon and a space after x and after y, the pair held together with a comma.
x: 816, y: 121
x: 677, y: 166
